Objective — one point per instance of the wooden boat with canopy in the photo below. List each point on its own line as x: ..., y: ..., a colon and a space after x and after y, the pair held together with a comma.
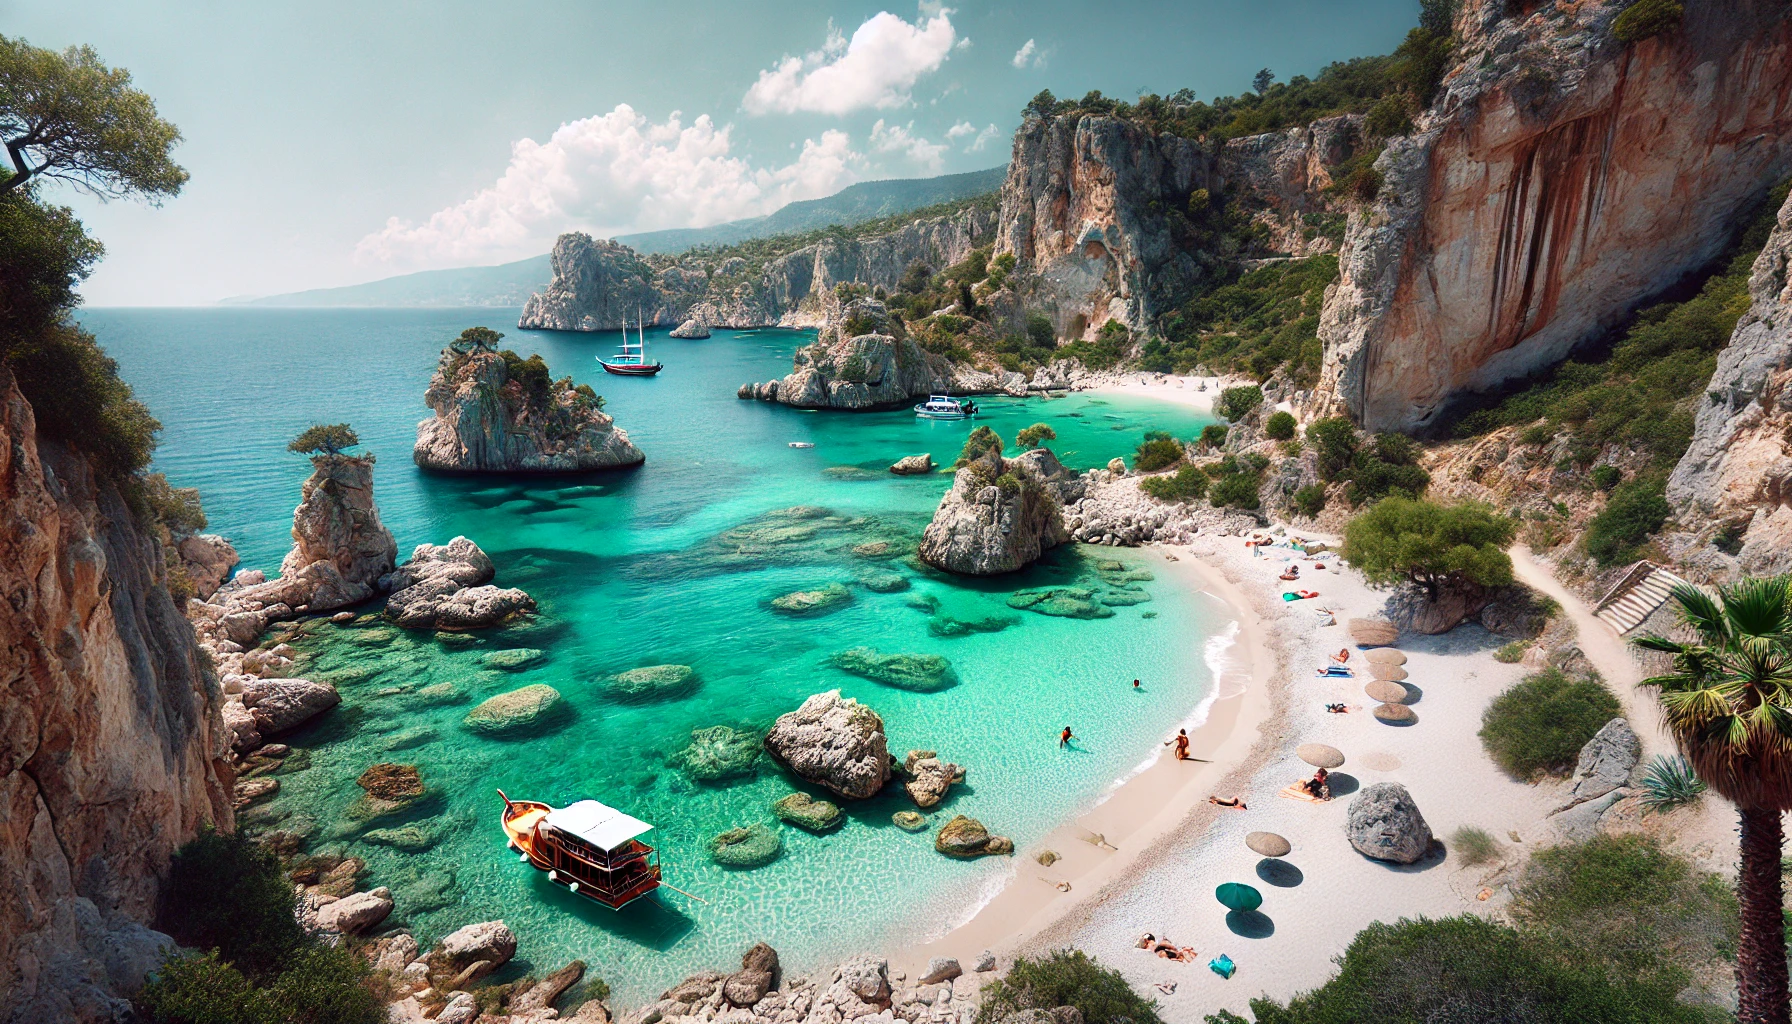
x: 586, y: 847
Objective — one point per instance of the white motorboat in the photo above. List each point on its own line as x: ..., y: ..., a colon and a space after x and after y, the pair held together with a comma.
x: 945, y: 407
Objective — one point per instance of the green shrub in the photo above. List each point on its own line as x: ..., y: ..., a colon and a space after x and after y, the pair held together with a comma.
x: 1157, y: 453
x: 320, y: 985
x: 1471, y: 970
x: 476, y: 339
x: 77, y: 396
x: 1474, y: 845
x: 1310, y: 500
x: 860, y: 323
x: 1669, y: 781
x: 1266, y: 321
x: 1213, y: 435
x: 1186, y: 484
x: 47, y: 255
x: 589, y: 396
x: 1035, y: 435
x: 1237, y: 402
x: 1008, y: 484
x: 1387, y: 466
x: 1066, y: 977
x: 1606, y: 477
x: 1435, y: 546
x: 1334, y: 438
x: 323, y: 985
x: 853, y: 370
x: 1512, y: 653
x: 981, y: 441
x: 227, y: 893
x: 532, y: 373
x: 1235, y: 490
x: 1633, y: 512
x: 177, y: 508
x: 1539, y: 725
x: 1647, y: 18
x: 1279, y: 426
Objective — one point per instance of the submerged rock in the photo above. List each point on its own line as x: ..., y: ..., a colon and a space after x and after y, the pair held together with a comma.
x: 406, y: 838
x: 948, y: 627
x: 1067, y: 602
x: 966, y: 838
x: 513, y: 659
x: 279, y: 705
x: 652, y: 682
x: 835, y: 743
x: 913, y: 465
x: 529, y: 708
x: 802, y: 810
x: 910, y: 821
x: 885, y: 583
x: 487, y: 421
x: 1001, y: 514
x: 922, y: 673
x: 720, y: 752
x: 754, y: 846
x: 806, y: 602
x: 392, y: 781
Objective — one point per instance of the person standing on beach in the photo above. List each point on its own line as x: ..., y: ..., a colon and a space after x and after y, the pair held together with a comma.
x: 1181, y: 742
x: 1064, y: 740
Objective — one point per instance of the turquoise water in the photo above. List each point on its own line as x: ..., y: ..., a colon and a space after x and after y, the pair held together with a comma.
x: 672, y: 563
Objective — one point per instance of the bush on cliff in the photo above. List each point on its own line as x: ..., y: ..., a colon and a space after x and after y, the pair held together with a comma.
x: 1634, y: 511
x: 321, y: 985
x: 1280, y: 426
x: 326, y: 439
x: 981, y: 441
x: 1539, y: 725
x: 1390, y: 465
x: 1066, y: 977
x: 1035, y: 435
x: 1647, y: 18
x: 1400, y: 540
x: 1238, y: 402
x: 1235, y: 482
x: 227, y: 893
x: 1186, y: 484
x: 533, y: 376
x: 1158, y: 451
x: 1266, y: 321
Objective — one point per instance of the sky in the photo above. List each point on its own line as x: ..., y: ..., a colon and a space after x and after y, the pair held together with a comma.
x: 337, y: 141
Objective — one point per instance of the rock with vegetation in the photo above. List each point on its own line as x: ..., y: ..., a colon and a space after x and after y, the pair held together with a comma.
x: 752, y: 846
x: 1385, y: 824
x: 966, y: 838
x: 910, y: 821
x: 804, y: 811
x: 813, y: 602
x: 652, y: 682
x: 922, y: 673
x: 520, y: 711
x: 1000, y: 514
x: 720, y: 752
x: 863, y: 359
x: 833, y: 742
x: 446, y: 587
x: 913, y: 465
x: 495, y: 412
x: 1449, y: 559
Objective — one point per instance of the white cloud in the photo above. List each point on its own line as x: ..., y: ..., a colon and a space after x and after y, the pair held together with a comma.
x: 960, y: 130
x: 965, y: 129
x: 902, y: 139
x: 983, y: 139
x: 1025, y: 53
x: 877, y: 68
x: 611, y: 174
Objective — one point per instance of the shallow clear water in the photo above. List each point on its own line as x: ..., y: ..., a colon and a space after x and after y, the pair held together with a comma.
x: 672, y: 563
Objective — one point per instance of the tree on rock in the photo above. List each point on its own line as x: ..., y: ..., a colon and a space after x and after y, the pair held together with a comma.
x: 1035, y: 435
x: 476, y: 339
x: 982, y: 441
x: 68, y: 116
x: 326, y: 440
x: 1434, y: 546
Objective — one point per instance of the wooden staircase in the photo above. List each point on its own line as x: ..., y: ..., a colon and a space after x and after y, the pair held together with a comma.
x: 1636, y: 596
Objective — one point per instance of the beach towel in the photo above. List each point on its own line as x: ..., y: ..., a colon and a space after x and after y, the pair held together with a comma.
x: 1223, y: 966
x: 1298, y: 791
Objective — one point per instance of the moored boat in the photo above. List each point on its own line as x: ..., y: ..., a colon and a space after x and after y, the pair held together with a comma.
x: 586, y: 847
x: 632, y: 360
x: 945, y: 407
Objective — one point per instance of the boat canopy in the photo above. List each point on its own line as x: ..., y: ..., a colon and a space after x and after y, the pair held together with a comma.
x: 600, y: 825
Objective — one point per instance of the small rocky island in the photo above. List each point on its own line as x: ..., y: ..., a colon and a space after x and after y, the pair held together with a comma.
x: 864, y: 358
x: 495, y: 412
x: 1000, y: 514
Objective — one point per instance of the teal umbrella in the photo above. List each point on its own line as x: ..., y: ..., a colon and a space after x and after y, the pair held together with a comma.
x: 1238, y: 896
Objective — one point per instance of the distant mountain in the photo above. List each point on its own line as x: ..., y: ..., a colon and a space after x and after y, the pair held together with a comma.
x: 511, y: 284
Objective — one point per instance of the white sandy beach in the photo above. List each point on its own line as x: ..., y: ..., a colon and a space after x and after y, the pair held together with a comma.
x: 1168, y: 848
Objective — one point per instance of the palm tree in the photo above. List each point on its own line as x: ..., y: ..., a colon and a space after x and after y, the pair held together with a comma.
x: 1728, y: 703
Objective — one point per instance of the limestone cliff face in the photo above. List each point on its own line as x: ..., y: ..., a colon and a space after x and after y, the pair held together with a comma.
x: 1001, y: 514
x: 1094, y: 211
x: 599, y: 284
x: 485, y: 422
x: 1737, y: 475
x: 112, y: 749
x: 1560, y: 178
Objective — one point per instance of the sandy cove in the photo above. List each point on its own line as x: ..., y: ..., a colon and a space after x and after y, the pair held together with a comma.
x: 1167, y: 847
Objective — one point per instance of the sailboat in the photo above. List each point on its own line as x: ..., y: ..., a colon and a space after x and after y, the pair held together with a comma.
x: 632, y: 360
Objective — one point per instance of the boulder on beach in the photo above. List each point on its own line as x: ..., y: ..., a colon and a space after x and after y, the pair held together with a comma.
x: 652, y: 682
x: 1385, y: 824
x: 720, y: 752
x: 1065, y: 602
x: 753, y: 846
x: 518, y: 711
x: 913, y: 465
x: 833, y: 742
x: 1606, y: 761
x: 922, y: 673
x: 810, y: 602
x: 806, y: 812
x: 966, y: 838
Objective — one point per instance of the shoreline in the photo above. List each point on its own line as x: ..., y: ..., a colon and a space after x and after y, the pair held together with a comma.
x: 1177, y: 390
x: 1161, y: 798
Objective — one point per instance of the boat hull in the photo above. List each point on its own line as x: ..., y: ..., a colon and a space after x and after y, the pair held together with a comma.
x: 518, y: 821
x: 629, y: 370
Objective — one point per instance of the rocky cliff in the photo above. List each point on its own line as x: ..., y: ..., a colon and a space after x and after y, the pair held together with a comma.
x: 599, y: 284
x: 1001, y: 514
x: 1560, y: 178
x: 486, y: 422
x: 112, y: 749
x: 1736, y: 477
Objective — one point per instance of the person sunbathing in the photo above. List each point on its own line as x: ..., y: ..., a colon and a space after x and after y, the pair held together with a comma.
x: 1334, y: 670
x: 1289, y: 575
x: 1318, y: 785
x: 1336, y: 709
x: 1342, y: 656
x: 1230, y: 801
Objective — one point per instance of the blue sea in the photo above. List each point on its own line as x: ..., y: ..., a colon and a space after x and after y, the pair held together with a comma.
x: 673, y: 563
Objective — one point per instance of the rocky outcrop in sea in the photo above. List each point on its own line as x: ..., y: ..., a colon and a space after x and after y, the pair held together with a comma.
x: 835, y: 743
x: 865, y: 359
x: 1507, y: 228
x: 448, y: 587
x: 487, y: 421
x: 1001, y: 514
x: 598, y: 285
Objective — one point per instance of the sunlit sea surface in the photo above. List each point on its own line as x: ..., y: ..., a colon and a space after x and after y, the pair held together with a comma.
x: 675, y: 562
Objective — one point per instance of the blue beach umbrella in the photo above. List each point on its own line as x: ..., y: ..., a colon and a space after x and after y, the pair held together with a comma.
x: 1238, y: 896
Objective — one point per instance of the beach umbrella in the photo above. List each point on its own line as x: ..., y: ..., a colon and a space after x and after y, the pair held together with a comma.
x: 1268, y: 844
x: 1238, y: 896
x: 1374, y: 632
x: 1393, y: 672
x: 1395, y: 713
x: 1319, y: 755
x: 1386, y: 692
x: 1385, y: 656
